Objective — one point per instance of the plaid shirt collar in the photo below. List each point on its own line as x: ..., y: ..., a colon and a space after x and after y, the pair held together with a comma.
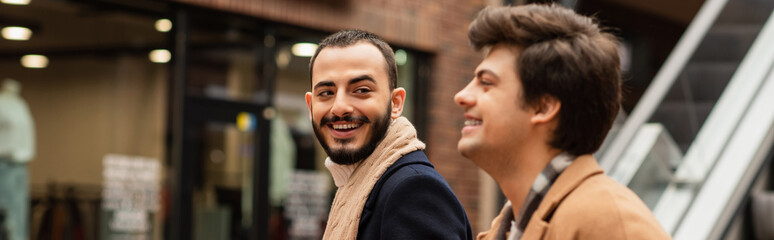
x: 540, y: 187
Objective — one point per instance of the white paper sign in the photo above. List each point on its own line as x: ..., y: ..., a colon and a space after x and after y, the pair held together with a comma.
x: 130, y: 194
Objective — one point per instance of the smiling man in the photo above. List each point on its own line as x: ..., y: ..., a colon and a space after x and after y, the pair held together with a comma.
x: 387, y: 188
x: 540, y: 104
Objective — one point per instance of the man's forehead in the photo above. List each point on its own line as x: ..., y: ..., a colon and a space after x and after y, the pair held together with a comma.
x: 511, y: 48
x: 342, y: 64
x: 485, y: 51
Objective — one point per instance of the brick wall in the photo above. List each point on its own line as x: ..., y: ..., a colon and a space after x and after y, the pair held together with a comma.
x: 437, y: 27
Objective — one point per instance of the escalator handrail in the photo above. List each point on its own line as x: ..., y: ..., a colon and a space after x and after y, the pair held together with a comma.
x: 749, y: 133
x: 663, y: 80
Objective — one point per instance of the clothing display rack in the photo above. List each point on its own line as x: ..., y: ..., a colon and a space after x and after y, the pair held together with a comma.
x: 65, y: 212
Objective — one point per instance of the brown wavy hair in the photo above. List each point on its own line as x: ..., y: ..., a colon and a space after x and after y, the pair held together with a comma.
x: 565, y: 55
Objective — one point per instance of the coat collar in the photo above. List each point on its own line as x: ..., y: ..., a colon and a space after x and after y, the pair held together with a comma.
x: 584, y: 167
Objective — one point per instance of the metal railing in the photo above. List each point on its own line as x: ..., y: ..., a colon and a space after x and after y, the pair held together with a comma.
x: 663, y: 80
x: 695, y: 196
x: 732, y: 144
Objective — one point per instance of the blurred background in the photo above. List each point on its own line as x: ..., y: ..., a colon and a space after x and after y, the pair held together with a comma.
x: 185, y: 119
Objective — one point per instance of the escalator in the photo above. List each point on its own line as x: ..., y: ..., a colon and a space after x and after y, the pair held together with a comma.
x: 697, y: 140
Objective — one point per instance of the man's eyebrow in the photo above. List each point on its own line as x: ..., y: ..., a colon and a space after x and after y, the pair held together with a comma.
x: 352, y: 81
x: 481, y: 72
x: 324, y: 84
x: 362, y: 78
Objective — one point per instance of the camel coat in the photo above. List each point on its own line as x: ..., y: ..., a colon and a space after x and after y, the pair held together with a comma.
x: 584, y: 203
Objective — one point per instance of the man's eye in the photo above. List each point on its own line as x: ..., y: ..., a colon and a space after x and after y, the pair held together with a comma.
x: 485, y: 82
x: 362, y: 90
x: 325, y: 93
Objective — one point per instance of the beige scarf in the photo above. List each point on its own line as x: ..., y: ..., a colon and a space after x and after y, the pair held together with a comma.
x: 344, y: 218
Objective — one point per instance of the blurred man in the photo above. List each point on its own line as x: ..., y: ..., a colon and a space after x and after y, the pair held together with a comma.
x: 387, y: 188
x: 540, y: 103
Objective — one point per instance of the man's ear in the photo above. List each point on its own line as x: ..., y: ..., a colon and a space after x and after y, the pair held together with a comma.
x: 397, y: 100
x: 309, y: 104
x: 546, y: 109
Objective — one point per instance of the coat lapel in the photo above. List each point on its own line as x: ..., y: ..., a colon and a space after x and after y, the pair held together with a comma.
x: 581, y: 169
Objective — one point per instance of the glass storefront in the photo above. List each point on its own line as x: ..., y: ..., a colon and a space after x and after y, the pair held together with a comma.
x: 98, y: 107
x: 161, y: 121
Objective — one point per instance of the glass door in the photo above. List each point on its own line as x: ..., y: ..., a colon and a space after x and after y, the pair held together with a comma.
x: 220, y: 126
x: 222, y: 145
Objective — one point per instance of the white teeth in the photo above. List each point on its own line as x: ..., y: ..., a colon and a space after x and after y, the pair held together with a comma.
x: 345, y: 126
x: 471, y: 122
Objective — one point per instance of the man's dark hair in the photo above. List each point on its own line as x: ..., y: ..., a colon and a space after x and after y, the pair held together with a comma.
x: 566, y: 56
x: 346, y: 38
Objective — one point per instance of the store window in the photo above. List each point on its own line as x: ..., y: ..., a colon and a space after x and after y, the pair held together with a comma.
x: 224, y: 56
x: 93, y: 77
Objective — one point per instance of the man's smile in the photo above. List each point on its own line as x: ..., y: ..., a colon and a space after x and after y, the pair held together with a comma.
x: 471, y: 123
x: 345, y: 126
x: 344, y: 129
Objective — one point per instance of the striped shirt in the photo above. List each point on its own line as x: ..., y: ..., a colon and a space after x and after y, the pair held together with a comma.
x: 539, y: 188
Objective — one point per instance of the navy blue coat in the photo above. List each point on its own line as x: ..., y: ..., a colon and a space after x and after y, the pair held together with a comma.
x: 412, y: 201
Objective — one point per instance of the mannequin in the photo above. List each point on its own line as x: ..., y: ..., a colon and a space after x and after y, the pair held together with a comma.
x: 17, y: 148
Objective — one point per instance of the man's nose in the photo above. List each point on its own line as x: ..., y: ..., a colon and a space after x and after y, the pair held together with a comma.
x: 464, y: 97
x: 342, y: 106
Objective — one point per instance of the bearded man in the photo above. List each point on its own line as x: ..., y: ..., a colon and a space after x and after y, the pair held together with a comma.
x: 387, y: 188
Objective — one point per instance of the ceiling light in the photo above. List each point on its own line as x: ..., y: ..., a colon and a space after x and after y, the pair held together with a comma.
x: 163, y: 25
x: 160, y: 56
x: 34, y: 61
x: 304, y: 49
x: 17, y: 33
x: 16, y: 2
x: 401, y: 57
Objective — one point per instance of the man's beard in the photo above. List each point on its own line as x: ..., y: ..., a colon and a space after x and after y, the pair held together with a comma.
x: 345, y: 156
